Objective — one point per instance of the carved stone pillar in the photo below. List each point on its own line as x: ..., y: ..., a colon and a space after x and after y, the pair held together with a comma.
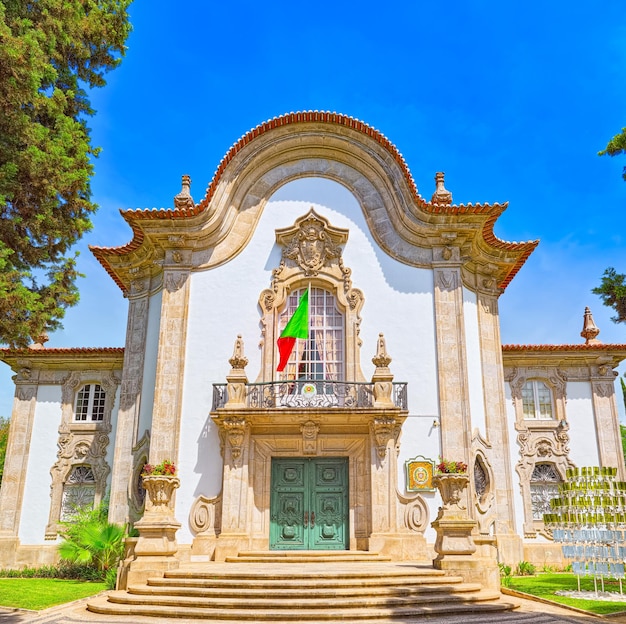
x: 607, y: 420
x: 235, y: 436
x: 509, y: 543
x: 452, y: 365
x: 128, y: 414
x: 384, y: 432
x: 13, y: 481
x: 166, y: 414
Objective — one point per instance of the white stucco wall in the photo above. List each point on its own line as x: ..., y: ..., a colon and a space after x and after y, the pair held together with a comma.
x: 582, y: 430
x: 224, y: 303
x: 42, y: 455
x: 518, y: 502
x: 474, y: 361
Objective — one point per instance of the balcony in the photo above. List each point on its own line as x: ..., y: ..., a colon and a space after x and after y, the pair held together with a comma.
x: 310, y: 393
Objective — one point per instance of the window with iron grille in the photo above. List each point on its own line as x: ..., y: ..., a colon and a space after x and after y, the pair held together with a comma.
x: 79, y: 491
x: 321, y: 355
x: 544, y: 486
x: 90, y: 403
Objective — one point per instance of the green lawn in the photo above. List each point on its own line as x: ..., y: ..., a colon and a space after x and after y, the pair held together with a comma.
x: 544, y: 586
x: 38, y: 593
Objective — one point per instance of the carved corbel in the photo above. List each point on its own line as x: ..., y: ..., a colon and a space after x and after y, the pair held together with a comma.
x: 383, y: 431
x: 235, y: 430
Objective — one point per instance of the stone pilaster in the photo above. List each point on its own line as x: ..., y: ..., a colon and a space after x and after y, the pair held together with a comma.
x: 509, y: 543
x: 452, y: 364
x: 170, y: 367
x: 130, y: 402
x: 235, y: 534
x: 14, y: 478
x: 607, y: 422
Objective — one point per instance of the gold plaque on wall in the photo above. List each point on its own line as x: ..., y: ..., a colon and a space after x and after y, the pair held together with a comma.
x: 419, y: 474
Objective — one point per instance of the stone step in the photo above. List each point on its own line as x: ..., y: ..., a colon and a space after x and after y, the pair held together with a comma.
x: 305, y: 556
x: 283, y: 616
x: 310, y: 595
x: 316, y: 591
x: 283, y: 584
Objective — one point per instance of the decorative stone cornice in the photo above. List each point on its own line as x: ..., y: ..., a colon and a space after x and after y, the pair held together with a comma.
x: 302, y: 145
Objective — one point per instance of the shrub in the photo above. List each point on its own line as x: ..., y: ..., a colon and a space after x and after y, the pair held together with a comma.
x: 525, y: 568
x: 505, y: 574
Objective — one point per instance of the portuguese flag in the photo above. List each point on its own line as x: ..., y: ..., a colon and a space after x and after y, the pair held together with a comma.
x: 297, y: 327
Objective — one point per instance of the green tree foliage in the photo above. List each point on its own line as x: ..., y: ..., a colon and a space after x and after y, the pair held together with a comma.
x: 4, y: 438
x: 51, y: 53
x: 617, y: 145
x: 90, y: 539
x: 612, y: 291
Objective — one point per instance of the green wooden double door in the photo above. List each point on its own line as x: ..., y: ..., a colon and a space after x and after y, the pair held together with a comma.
x: 309, y: 503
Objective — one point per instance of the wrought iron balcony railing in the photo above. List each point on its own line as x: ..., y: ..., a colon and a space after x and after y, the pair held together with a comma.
x: 310, y: 393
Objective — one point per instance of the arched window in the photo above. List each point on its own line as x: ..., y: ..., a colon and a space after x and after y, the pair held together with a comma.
x: 90, y: 403
x: 321, y: 355
x: 537, y: 400
x: 79, y: 491
x: 544, y: 486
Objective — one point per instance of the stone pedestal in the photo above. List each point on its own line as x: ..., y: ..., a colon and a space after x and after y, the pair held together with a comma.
x: 156, y: 547
x: 455, y: 546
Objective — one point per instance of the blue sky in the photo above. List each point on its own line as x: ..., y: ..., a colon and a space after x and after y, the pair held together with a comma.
x: 512, y: 100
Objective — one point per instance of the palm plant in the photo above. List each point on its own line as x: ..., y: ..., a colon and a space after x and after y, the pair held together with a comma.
x: 90, y: 539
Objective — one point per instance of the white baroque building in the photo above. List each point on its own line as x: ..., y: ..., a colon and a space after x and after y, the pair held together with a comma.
x: 403, y: 364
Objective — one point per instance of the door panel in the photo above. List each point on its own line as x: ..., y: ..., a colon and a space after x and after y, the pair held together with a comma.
x: 309, y: 504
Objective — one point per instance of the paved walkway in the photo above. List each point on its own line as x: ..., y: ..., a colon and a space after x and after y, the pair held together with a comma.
x: 529, y: 612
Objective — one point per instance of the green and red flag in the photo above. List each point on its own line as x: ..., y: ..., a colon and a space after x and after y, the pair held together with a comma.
x: 297, y: 327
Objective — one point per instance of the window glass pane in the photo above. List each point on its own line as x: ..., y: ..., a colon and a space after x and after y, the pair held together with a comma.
x: 82, y: 403
x: 321, y: 355
x: 528, y: 400
x: 545, y: 399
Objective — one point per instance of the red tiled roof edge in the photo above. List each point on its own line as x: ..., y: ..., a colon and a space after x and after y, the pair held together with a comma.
x: 312, y: 117
x: 61, y: 350
x: 564, y: 347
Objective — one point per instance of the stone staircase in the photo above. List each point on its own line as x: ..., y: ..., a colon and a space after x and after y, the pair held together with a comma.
x: 304, y: 586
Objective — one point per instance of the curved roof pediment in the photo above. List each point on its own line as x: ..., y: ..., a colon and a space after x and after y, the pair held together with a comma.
x: 316, y: 144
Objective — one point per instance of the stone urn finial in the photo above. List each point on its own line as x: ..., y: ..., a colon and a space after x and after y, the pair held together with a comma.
x: 590, y: 329
x: 184, y: 198
x: 237, y: 379
x: 441, y: 194
x: 382, y: 377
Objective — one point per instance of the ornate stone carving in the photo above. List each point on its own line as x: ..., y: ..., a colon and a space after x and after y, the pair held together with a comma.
x: 447, y: 280
x: 312, y: 243
x: 26, y: 393
x: 537, y: 446
x: 603, y: 389
x: 136, y: 491
x: 590, y: 329
x: 416, y: 514
x: 441, y: 194
x: 205, y: 515
x: 184, y: 199
x: 312, y: 255
x: 235, y: 429
x: 384, y: 430
x: 175, y: 280
x: 309, y: 430
x: 238, y: 359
